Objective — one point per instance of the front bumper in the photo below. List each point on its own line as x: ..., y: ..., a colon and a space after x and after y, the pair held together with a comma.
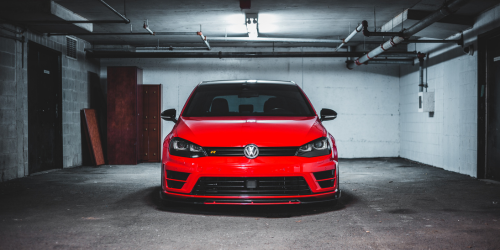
x: 286, y: 166
x: 172, y: 197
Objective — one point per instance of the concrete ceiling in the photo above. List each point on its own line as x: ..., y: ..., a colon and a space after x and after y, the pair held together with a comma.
x: 325, y: 19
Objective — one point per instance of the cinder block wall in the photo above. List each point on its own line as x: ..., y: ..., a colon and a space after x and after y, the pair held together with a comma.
x: 449, y: 139
x: 366, y: 99
x: 14, y: 101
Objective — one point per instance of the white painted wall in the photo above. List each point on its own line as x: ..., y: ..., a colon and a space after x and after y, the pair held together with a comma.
x: 449, y: 139
x: 366, y: 99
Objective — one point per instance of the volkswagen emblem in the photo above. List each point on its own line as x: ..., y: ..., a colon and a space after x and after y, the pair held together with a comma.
x: 251, y: 151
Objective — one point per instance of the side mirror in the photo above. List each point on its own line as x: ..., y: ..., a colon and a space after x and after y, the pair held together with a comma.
x: 169, y: 115
x: 327, y: 115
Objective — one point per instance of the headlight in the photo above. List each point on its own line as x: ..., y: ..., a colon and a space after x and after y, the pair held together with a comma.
x: 181, y: 147
x: 318, y: 147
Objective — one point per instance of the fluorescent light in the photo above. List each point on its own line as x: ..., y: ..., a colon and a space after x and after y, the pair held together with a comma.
x: 251, y: 21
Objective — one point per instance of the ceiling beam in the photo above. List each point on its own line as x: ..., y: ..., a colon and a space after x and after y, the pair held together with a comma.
x: 417, y: 15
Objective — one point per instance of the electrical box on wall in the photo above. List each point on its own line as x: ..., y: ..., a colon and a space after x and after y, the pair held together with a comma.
x: 426, y: 102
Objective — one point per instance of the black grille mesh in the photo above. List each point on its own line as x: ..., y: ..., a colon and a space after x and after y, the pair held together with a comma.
x: 265, y: 186
x: 238, y: 151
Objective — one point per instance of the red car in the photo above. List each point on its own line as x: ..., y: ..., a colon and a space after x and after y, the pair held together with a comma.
x: 249, y: 143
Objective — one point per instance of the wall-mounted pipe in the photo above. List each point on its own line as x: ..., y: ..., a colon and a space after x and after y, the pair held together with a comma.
x: 421, y: 85
x: 220, y: 54
x: 115, y: 11
x: 444, y: 11
x: 272, y: 40
x: 347, y: 39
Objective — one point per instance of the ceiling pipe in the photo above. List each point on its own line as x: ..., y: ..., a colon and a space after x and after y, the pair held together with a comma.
x: 444, y: 11
x: 20, y: 39
x: 126, y: 20
x: 204, y: 39
x: 392, y: 61
x: 170, y: 48
x: 344, y: 41
x: 126, y: 34
x: 272, y: 40
x: 43, y: 22
x: 14, y: 31
x: 220, y: 54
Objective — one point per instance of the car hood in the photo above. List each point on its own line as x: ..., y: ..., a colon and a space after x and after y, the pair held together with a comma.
x: 240, y: 131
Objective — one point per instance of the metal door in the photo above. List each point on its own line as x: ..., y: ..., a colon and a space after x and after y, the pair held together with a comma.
x: 44, y: 109
x: 493, y: 110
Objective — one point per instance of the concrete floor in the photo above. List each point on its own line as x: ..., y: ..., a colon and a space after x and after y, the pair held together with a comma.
x: 386, y: 204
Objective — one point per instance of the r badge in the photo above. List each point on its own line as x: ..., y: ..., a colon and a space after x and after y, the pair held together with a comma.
x: 251, y: 151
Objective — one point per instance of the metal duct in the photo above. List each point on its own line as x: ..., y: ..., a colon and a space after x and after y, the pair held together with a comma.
x: 356, y: 31
x: 422, y: 24
x: 220, y: 54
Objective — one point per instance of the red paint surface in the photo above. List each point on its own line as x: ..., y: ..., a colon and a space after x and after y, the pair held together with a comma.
x: 238, y: 132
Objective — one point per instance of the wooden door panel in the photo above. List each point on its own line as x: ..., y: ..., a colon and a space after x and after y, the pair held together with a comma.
x: 145, y: 143
x: 153, y: 146
x: 151, y: 122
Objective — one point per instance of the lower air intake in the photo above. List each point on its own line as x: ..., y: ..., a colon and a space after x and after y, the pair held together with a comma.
x: 261, y: 186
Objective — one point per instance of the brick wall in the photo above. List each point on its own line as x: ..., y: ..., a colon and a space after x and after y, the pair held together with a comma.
x: 448, y: 139
x: 14, y: 102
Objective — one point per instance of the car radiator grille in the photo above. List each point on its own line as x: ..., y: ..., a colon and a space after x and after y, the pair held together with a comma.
x: 261, y: 186
x: 238, y: 151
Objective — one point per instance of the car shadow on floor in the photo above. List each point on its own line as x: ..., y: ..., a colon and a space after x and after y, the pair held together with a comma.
x: 152, y: 198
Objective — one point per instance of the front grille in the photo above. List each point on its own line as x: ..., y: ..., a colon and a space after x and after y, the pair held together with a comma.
x: 238, y: 151
x: 262, y: 186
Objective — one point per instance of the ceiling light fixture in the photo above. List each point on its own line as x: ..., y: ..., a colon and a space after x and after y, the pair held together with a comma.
x: 251, y: 22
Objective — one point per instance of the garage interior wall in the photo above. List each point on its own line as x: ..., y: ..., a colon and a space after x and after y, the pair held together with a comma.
x: 76, y: 77
x: 449, y: 139
x: 366, y: 99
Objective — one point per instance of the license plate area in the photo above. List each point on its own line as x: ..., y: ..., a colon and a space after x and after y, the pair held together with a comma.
x: 251, y: 184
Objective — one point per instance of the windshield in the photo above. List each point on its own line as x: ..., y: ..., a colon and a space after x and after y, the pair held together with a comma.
x: 248, y: 99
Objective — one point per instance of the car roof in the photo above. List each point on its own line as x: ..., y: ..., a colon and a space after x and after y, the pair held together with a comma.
x: 247, y: 81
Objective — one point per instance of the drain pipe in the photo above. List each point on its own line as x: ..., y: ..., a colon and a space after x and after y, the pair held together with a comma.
x: 116, y: 12
x: 146, y: 27
x: 204, y: 39
x: 344, y: 41
x: 422, y: 24
x: 421, y: 85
